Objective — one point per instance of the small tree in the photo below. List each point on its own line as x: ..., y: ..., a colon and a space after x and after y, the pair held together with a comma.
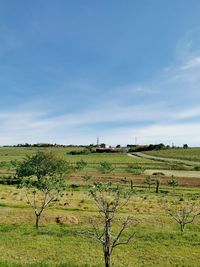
x: 182, y: 212
x: 108, y: 200
x: 105, y: 167
x: 42, y: 179
x: 80, y: 165
x: 149, y: 181
x: 173, y: 183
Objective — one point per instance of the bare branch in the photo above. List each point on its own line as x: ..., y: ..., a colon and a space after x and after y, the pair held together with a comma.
x: 124, y: 226
x: 125, y: 241
x: 96, y: 231
x: 183, y: 214
x: 91, y: 235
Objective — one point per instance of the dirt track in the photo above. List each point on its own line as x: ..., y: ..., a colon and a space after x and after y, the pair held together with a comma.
x: 145, y: 156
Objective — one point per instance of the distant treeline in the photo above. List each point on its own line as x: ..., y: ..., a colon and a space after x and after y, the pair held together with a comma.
x: 44, y: 145
x: 138, y: 148
x: 87, y: 149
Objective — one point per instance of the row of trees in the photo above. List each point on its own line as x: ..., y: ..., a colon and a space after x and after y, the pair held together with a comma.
x: 138, y: 148
x: 157, y: 181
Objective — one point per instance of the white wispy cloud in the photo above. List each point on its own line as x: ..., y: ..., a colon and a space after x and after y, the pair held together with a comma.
x: 165, y: 109
x: 191, y: 63
x: 164, y: 125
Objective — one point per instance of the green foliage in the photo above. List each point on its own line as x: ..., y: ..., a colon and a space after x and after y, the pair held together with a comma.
x: 42, y: 164
x: 4, y: 164
x: 135, y: 148
x: 173, y: 182
x: 150, y: 181
x: 80, y: 165
x: 85, y: 151
x: 197, y: 168
x: 43, y: 180
x: 105, y: 167
x: 10, y: 180
x: 52, y: 183
x: 86, y: 177
x: 134, y: 168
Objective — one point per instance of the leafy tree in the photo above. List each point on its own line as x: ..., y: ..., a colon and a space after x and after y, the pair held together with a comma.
x: 42, y: 164
x: 173, y: 183
x: 185, y: 146
x: 43, y: 180
x: 149, y: 181
x: 80, y: 165
x: 105, y: 167
x: 109, y: 200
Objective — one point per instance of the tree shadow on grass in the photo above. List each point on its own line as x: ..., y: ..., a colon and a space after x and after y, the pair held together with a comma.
x: 15, y: 264
x: 49, y: 230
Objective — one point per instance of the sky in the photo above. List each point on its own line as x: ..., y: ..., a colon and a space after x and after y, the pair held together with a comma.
x: 125, y: 71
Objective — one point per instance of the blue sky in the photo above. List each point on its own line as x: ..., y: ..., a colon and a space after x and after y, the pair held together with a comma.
x: 74, y: 70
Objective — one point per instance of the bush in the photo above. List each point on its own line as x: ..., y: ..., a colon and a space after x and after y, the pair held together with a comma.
x: 80, y: 165
x: 10, y: 180
x: 80, y: 152
x: 105, y: 167
x: 197, y: 168
x: 134, y: 168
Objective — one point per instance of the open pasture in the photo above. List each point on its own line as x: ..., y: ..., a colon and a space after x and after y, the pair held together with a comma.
x: 185, y: 174
x: 191, y: 154
x: 119, y: 161
x: 157, y: 241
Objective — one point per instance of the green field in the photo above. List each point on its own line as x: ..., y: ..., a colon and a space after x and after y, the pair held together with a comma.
x: 191, y: 154
x: 157, y: 242
x: 119, y: 161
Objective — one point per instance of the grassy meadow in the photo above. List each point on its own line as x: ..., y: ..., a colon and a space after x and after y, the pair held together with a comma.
x: 191, y: 154
x: 157, y: 242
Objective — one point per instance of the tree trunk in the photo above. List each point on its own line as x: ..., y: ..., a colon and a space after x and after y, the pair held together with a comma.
x: 131, y: 184
x: 157, y: 186
x: 37, y: 221
x: 107, y: 258
x: 182, y: 227
x: 107, y: 238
